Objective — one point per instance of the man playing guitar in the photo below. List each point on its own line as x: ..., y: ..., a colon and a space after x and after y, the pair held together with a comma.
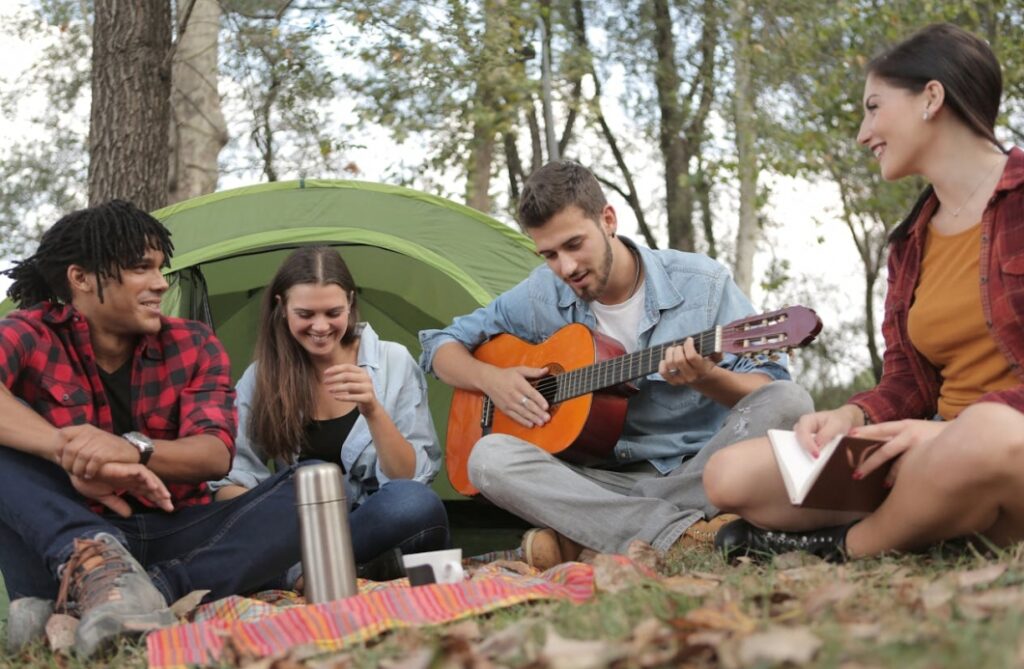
x: 650, y: 486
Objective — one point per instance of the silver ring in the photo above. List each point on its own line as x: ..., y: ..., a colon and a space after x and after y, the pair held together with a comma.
x: 673, y: 372
x: 525, y: 400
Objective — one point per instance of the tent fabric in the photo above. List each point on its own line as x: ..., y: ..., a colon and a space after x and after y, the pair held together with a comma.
x: 419, y: 260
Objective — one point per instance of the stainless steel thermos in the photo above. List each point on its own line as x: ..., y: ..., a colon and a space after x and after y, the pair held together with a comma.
x: 328, y: 566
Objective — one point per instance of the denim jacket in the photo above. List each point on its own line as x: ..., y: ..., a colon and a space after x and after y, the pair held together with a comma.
x: 684, y: 294
x: 401, y: 390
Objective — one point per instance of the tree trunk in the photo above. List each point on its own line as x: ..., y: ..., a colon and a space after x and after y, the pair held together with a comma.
x: 870, y: 278
x: 675, y: 158
x: 748, y: 232
x: 131, y: 90
x: 483, y: 111
x: 481, y: 157
x: 197, y: 130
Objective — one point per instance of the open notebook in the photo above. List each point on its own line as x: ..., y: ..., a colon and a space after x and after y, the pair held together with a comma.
x: 827, y: 481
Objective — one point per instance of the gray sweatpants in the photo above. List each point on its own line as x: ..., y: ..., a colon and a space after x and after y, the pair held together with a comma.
x: 605, y: 509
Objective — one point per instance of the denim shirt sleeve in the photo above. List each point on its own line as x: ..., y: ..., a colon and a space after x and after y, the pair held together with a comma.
x: 248, y: 468
x: 509, y: 312
x: 405, y: 400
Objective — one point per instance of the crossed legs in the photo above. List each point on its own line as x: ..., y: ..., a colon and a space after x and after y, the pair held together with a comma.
x: 965, y: 481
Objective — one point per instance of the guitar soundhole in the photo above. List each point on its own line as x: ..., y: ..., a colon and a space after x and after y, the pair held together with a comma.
x: 548, y: 386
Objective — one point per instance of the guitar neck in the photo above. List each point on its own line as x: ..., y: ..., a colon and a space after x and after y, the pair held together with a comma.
x: 615, y: 371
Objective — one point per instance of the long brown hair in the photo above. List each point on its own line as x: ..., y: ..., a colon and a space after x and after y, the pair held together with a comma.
x: 283, y: 400
x: 968, y: 71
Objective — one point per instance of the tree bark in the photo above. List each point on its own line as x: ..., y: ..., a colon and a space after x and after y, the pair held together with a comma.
x: 131, y: 89
x: 748, y: 232
x: 197, y: 130
x: 682, y: 116
x: 678, y: 195
x: 483, y: 112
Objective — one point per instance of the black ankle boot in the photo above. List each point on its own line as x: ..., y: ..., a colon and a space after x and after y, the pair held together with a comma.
x: 740, y: 538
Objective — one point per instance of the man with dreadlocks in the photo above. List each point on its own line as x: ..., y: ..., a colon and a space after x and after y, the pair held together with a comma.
x: 112, y: 416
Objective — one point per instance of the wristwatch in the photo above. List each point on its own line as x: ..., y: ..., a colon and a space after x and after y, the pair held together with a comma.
x: 141, y: 442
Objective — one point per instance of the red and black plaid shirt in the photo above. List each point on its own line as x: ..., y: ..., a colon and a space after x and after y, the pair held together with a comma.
x: 180, y: 380
x: 910, y: 383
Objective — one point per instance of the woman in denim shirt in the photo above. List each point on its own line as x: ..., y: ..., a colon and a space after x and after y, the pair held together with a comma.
x: 325, y: 387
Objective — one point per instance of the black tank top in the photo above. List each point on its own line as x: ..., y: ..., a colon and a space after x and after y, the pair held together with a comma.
x: 324, y: 438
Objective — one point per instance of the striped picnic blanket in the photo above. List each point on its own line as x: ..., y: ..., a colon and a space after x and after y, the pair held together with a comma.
x: 253, y: 627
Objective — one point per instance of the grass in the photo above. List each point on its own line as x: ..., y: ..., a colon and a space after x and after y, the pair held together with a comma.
x: 931, y: 612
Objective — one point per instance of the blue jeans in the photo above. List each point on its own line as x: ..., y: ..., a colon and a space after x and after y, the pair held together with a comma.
x: 403, y: 514
x: 228, y: 547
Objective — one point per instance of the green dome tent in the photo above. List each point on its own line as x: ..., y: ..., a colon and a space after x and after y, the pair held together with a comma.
x: 419, y: 260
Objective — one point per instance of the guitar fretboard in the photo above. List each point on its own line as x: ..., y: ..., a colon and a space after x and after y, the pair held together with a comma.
x: 612, y: 372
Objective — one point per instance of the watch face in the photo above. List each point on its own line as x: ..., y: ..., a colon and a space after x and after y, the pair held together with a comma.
x: 141, y: 442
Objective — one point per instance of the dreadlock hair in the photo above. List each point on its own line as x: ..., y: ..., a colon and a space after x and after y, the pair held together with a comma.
x: 283, y: 400
x: 103, y: 240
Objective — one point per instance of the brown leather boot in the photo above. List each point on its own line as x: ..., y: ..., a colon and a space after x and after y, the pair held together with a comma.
x: 543, y: 548
x: 702, y: 533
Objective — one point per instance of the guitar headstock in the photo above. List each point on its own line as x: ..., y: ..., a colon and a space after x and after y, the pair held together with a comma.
x: 775, y: 331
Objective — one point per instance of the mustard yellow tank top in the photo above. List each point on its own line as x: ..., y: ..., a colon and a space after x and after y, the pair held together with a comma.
x: 947, y: 325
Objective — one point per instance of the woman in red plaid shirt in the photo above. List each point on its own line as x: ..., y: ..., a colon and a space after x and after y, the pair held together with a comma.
x: 950, y: 401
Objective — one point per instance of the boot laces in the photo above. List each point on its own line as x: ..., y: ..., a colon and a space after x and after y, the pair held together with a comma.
x: 90, y: 576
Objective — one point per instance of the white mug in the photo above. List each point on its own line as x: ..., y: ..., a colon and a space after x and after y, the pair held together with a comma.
x: 434, y: 567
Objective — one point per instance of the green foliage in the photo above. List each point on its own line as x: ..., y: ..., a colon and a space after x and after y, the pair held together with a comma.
x: 444, y: 71
x: 275, y: 53
x: 44, y: 172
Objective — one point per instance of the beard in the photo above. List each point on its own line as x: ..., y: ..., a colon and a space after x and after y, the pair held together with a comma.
x: 601, y: 275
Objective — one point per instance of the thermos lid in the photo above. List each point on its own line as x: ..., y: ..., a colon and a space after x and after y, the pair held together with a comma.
x: 315, y: 484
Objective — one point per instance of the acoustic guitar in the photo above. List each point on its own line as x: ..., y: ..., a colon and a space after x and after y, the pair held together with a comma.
x: 587, y: 388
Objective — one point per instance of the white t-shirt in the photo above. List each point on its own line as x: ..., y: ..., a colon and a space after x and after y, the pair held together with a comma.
x: 619, y: 321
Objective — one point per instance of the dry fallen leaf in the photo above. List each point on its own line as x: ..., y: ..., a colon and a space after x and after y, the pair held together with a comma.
x: 726, y: 617
x: 418, y: 659
x: 645, y: 555
x: 689, y: 585
x: 707, y: 576
x: 467, y: 629
x: 187, y: 604
x: 613, y: 575
x: 978, y: 577
x: 935, y: 597
x: 794, y: 559
x: 814, y: 572
x: 562, y: 653
x: 336, y: 661
x: 828, y: 595
x: 779, y: 645
x: 510, y: 641
x: 978, y: 606
x: 60, y: 632
x: 653, y: 643
x: 862, y: 630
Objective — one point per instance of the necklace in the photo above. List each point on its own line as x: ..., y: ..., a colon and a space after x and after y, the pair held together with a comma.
x: 639, y: 266
x: 956, y: 212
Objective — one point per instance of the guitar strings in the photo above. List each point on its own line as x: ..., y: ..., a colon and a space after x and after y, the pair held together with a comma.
x: 614, y: 367
x: 577, y: 382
